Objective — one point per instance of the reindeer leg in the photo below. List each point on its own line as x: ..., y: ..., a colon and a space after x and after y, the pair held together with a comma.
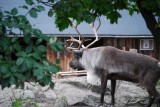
x: 153, y: 94
x: 158, y: 101
x: 150, y: 102
x: 113, y: 87
x: 103, y: 89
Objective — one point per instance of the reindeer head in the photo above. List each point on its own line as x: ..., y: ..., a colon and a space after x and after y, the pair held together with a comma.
x: 75, y: 63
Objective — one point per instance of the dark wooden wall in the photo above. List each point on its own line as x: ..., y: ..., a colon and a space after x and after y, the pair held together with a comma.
x: 128, y: 43
x: 121, y: 43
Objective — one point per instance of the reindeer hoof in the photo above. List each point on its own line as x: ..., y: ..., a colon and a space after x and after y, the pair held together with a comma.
x: 101, y: 105
x: 111, y: 106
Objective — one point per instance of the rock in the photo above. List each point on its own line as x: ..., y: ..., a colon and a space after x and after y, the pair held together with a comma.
x: 28, y: 94
x: 1, y: 96
x: 75, y: 91
x: 71, y: 92
x: 60, y: 103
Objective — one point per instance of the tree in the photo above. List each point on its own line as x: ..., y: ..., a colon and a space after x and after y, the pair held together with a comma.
x: 90, y: 10
x: 24, y: 58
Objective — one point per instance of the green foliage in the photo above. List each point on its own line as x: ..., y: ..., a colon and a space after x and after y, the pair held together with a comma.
x: 89, y: 10
x: 29, y: 2
x: 17, y: 103
x: 14, y: 11
x: 24, y: 58
x: 57, y: 46
x: 33, y: 13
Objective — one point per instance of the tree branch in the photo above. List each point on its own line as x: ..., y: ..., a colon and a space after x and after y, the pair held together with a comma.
x: 149, y: 19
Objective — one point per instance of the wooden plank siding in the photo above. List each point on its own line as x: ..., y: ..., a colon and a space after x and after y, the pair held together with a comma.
x: 121, y: 43
x: 64, y: 56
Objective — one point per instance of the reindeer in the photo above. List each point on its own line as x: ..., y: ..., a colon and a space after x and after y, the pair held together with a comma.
x: 109, y: 63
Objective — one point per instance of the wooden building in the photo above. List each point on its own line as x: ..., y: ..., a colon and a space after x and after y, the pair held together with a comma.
x: 143, y: 44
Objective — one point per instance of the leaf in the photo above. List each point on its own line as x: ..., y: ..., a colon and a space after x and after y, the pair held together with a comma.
x: 7, y: 12
x: 41, y: 8
x: 28, y: 75
x: 14, y: 39
x: 89, y: 19
x: 20, y: 76
x: 7, y: 74
x: 24, y: 68
x: 51, y: 1
x: 12, y: 80
x: 3, y: 69
x: 62, y: 23
x: 14, y: 69
x: 21, y: 54
x: 17, y: 47
x: 33, y: 13
x: 29, y: 61
x: 36, y: 56
x: 53, y: 69
x: 37, y: 65
x: 46, y: 63
x: 27, y: 29
x: 27, y: 39
x: 52, y: 40
x: 39, y: 74
x: 38, y: 41
x: 29, y: 48
x: 1, y: 58
x: 58, y: 46
x: 58, y: 61
x: 52, y: 84
x: 39, y: 34
x: 42, y: 48
x: 113, y: 16
x: 29, y: 2
x: 24, y: 7
x: 1, y: 13
x: 44, y: 37
x: 46, y: 80
x: 14, y: 11
x: 50, y: 13
x: 53, y: 47
x: 20, y: 61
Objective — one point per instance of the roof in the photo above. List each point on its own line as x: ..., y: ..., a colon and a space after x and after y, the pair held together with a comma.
x: 105, y: 36
x: 127, y: 26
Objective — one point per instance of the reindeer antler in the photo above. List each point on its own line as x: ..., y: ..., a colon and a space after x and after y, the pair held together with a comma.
x: 81, y: 40
x: 96, y: 35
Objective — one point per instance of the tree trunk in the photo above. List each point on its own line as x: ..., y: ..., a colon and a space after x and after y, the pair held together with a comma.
x: 151, y: 24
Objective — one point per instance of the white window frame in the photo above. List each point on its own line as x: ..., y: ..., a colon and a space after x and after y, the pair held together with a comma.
x: 145, y: 44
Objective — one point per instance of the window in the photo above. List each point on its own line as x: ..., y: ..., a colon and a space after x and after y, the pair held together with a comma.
x: 146, y: 44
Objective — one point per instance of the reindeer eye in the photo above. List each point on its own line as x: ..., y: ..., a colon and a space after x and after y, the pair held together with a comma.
x: 76, y: 56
